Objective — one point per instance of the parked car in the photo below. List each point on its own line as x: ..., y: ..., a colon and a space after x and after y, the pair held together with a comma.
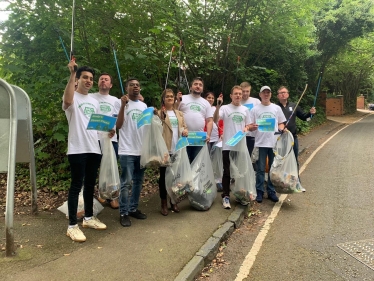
x: 371, y: 106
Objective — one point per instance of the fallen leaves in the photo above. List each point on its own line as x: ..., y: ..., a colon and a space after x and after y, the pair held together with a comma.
x: 216, y: 263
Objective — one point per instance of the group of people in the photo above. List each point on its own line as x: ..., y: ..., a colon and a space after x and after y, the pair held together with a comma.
x: 180, y: 114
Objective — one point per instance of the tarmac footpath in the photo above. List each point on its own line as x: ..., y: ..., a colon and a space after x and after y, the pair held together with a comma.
x: 175, y: 247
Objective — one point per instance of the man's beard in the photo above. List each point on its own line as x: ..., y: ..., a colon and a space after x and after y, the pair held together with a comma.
x: 196, y: 93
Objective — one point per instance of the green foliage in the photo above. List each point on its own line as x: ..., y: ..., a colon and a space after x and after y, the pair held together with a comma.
x: 353, y: 64
x: 278, y: 42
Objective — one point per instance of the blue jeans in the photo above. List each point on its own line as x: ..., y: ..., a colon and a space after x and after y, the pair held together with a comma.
x: 296, y: 151
x: 260, y: 173
x: 131, y: 175
x: 83, y: 169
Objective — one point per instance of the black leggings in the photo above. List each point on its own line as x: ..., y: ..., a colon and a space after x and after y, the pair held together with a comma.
x: 161, y: 183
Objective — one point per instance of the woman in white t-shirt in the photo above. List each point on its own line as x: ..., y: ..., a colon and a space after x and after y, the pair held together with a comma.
x: 217, y: 130
x: 174, y: 127
x: 216, y: 134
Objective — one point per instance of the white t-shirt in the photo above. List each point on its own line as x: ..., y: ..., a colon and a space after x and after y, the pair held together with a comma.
x: 81, y: 140
x: 214, y: 137
x: 130, y: 137
x: 266, y: 139
x: 174, y: 125
x: 196, y: 111
x: 235, y: 119
x: 251, y: 103
x: 107, y: 107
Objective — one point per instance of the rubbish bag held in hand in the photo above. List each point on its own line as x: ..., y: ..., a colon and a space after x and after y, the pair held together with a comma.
x: 241, y: 170
x: 205, y: 190
x: 178, y: 175
x: 216, y: 158
x: 109, y: 182
x: 283, y: 171
x: 255, y: 154
x: 154, y: 151
x: 97, y: 207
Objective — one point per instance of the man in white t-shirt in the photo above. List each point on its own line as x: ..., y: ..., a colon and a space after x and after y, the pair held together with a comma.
x: 129, y: 150
x: 197, y: 112
x: 236, y: 118
x: 107, y: 106
x: 83, y: 148
x: 250, y: 103
x: 265, y: 140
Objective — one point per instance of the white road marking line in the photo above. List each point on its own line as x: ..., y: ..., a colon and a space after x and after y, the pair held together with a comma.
x: 249, y: 260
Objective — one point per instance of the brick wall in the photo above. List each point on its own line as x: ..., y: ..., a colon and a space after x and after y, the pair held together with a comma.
x: 335, y: 106
x: 361, y: 102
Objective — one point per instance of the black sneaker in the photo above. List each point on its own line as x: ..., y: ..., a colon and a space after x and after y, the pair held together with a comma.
x: 138, y: 215
x: 259, y: 196
x: 273, y: 197
x: 125, y: 220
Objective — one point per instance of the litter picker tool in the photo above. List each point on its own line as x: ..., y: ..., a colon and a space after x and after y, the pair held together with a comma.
x: 62, y: 43
x: 179, y: 65
x: 317, y: 91
x: 118, y: 72
x: 185, y: 77
x: 237, y: 70
x: 72, y: 36
x: 227, y: 54
x: 167, y: 75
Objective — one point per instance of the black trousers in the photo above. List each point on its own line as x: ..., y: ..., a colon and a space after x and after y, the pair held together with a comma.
x: 226, y: 173
x: 161, y: 183
x: 83, y: 167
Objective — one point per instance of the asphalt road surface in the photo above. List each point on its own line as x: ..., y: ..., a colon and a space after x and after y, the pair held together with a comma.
x: 298, y: 238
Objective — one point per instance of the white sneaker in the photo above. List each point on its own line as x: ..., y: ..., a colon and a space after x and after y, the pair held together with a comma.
x: 226, y: 202
x: 76, y: 234
x: 302, y: 189
x: 94, y: 223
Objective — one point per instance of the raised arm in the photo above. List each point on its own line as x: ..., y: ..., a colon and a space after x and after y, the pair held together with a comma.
x: 121, y: 112
x: 216, y: 113
x: 178, y: 101
x: 68, y: 97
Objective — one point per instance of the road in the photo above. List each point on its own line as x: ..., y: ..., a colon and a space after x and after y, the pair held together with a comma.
x: 306, y: 229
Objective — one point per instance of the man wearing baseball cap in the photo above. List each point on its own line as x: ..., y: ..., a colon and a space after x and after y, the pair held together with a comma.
x: 270, y: 118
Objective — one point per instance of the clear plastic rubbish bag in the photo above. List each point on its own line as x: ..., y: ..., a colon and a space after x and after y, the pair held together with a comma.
x: 109, y: 182
x: 178, y: 175
x: 97, y: 207
x: 216, y: 158
x: 154, y: 151
x: 241, y: 170
x: 283, y: 171
x: 205, y: 190
x: 255, y: 154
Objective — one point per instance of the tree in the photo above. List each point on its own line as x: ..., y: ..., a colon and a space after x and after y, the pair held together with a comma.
x: 350, y: 72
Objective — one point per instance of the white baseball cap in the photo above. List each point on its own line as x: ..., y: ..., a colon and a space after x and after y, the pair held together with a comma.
x: 263, y: 88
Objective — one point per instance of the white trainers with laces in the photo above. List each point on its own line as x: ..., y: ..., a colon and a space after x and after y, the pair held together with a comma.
x: 76, y: 234
x: 94, y: 223
x: 226, y: 202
